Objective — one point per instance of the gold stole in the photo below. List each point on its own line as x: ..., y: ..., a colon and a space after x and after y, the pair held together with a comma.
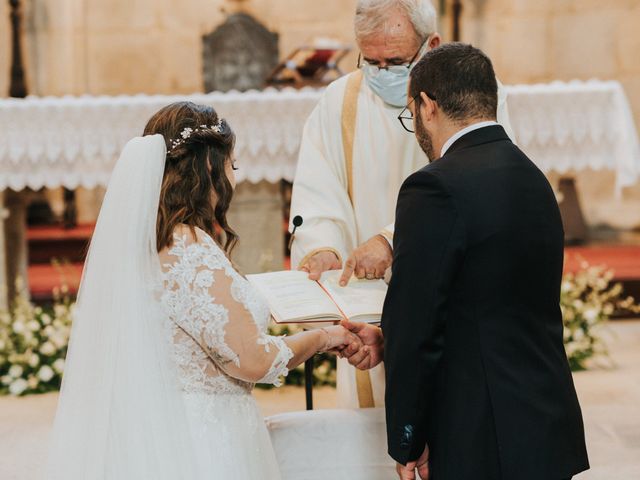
x: 349, y: 115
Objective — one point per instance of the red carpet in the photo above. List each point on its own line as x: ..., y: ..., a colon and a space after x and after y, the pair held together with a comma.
x: 43, y: 279
x: 624, y: 260
x: 54, y: 232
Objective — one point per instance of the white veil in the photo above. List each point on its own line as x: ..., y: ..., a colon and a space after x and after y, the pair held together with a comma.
x: 120, y: 414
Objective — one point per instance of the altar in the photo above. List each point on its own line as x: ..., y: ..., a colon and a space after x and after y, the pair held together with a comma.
x: 75, y: 141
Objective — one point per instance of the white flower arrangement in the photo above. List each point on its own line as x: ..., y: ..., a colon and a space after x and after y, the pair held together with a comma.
x: 588, y: 300
x: 33, y: 345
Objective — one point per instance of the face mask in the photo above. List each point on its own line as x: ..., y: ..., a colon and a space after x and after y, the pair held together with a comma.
x: 391, y: 83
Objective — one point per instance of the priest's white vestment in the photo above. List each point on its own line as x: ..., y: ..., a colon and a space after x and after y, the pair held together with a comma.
x: 384, y: 154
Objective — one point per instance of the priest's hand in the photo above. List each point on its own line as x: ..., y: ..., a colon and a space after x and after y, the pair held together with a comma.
x: 371, y: 352
x: 319, y: 263
x: 370, y: 260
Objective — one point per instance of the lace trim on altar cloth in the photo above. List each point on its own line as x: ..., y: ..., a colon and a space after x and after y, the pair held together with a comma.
x: 74, y: 141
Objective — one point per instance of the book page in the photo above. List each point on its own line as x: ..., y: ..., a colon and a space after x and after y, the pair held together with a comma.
x: 292, y: 297
x: 363, y: 298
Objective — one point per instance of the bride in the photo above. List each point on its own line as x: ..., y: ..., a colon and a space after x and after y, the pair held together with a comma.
x: 169, y: 338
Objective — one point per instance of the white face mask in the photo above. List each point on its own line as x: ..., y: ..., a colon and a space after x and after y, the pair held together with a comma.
x: 391, y: 83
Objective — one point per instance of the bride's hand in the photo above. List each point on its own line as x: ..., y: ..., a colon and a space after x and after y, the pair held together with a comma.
x: 337, y: 337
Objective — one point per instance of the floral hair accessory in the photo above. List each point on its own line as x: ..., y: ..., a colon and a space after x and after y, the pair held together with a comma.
x: 187, y: 132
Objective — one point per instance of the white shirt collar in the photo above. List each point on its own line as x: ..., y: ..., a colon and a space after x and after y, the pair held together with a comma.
x: 463, y: 132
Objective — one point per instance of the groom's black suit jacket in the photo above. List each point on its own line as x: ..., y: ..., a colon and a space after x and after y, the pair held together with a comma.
x: 474, y: 355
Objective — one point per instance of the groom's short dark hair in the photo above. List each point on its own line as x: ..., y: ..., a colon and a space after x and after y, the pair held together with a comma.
x: 460, y: 78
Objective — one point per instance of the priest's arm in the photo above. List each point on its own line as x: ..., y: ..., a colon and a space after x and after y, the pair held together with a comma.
x: 320, y: 193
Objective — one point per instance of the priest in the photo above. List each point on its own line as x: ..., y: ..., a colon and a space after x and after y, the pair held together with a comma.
x: 354, y: 157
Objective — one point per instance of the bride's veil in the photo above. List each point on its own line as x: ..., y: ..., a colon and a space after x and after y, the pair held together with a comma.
x: 120, y: 414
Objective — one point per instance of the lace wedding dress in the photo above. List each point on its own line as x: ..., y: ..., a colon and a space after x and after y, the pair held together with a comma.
x: 164, y: 350
x: 218, y: 329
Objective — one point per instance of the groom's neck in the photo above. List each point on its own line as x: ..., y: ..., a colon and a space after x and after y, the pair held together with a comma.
x: 450, y: 127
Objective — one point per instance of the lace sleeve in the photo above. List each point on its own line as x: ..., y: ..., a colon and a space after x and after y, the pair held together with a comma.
x: 219, y: 310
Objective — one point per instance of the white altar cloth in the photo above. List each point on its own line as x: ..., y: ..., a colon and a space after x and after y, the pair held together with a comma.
x: 576, y: 126
x: 75, y: 141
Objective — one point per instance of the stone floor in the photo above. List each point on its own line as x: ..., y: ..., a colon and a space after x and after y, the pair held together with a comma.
x: 609, y: 394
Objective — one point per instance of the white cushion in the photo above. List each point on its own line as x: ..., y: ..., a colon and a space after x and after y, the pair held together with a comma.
x: 332, y: 444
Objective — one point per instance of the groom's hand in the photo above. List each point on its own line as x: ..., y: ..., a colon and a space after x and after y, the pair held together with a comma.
x: 371, y: 352
x: 408, y: 471
x: 370, y: 260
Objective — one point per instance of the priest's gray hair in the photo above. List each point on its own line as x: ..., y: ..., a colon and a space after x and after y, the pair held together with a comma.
x: 372, y: 14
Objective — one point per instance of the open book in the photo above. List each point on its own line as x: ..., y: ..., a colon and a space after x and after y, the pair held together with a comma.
x: 293, y: 298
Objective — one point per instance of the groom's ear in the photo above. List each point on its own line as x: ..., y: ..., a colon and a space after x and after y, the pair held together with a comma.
x: 427, y: 108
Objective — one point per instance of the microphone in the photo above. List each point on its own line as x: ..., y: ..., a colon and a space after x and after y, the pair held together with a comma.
x: 297, y: 221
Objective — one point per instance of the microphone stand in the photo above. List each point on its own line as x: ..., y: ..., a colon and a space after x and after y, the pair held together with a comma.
x: 309, y: 364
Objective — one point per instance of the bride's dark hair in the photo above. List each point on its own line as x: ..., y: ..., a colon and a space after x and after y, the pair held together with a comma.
x: 195, y: 188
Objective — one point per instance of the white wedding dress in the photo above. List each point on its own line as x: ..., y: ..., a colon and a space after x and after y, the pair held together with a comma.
x: 164, y: 351
x: 218, y: 324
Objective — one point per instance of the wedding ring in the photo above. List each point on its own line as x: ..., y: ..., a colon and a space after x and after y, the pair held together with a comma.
x: 370, y: 276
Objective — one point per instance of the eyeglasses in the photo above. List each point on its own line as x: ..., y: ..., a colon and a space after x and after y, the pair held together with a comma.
x: 376, y: 69
x: 406, y: 115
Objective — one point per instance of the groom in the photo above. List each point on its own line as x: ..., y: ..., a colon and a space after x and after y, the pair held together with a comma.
x: 478, y: 383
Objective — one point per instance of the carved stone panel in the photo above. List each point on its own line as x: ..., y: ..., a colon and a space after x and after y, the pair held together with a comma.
x: 239, y: 55
x: 256, y: 216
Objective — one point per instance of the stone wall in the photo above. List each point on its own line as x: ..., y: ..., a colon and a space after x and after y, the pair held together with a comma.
x: 148, y: 46
x: 543, y: 40
x: 152, y: 46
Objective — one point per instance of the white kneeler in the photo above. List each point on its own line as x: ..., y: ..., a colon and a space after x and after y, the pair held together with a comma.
x: 332, y: 444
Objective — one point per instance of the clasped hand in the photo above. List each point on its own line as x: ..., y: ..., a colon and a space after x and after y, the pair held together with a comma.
x: 338, y: 338
x: 368, y: 351
x: 360, y: 343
